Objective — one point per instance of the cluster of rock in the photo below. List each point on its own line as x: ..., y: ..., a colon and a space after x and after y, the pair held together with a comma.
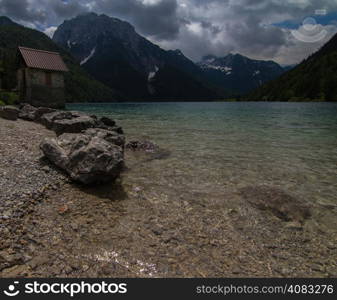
x: 89, y: 149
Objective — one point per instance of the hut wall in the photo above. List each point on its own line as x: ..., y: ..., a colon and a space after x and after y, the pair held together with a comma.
x: 35, y: 90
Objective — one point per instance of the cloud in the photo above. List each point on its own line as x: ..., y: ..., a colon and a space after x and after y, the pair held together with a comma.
x: 248, y: 27
x: 158, y: 19
x: 197, y: 27
x: 295, y: 50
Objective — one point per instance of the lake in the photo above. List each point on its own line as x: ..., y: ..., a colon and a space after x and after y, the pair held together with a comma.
x: 217, y: 146
x: 229, y: 196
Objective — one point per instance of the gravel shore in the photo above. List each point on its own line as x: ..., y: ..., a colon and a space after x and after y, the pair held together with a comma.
x: 24, y: 180
x: 50, y: 227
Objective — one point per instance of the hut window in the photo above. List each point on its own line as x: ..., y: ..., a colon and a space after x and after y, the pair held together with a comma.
x: 48, y: 79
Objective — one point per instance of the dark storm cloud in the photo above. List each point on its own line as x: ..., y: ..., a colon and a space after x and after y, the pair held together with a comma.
x: 158, y: 19
x: 67, y: 10
x: 41, y: 13
x: 198, y: 27
x: 252, y: 35
x: 19, y: 10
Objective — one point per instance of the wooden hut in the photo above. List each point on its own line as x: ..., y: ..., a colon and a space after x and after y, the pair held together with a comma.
x: 41, y: 78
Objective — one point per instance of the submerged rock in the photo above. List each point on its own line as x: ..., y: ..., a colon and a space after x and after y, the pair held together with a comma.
x: 148, y: 150
x: 67, y: 122
x: 9, y: 113
x: 284, y: 206
x: 108, y: 124
x: 107, y: 121
x: 91, y: 157
x: 142, y: 146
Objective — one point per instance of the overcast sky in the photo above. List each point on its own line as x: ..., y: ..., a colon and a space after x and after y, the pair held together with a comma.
x: 286, y: 31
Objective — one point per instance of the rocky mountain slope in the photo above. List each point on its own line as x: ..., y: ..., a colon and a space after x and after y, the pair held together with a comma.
x: 114, y: 53
x: 239, y: 73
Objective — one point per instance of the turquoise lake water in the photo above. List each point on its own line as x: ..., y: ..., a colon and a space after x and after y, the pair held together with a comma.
x: 227, y: 146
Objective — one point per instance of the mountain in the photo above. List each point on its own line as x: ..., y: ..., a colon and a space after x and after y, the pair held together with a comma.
x: 287, y: 68
x: 238, y: 73
x: 115, y: 54
x: 80, y: 86
x: 314, y: 79
x: 4, y: 21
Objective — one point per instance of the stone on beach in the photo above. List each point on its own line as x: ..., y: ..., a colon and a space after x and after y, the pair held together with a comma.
x: 85, y: 157
x: 67, y: 122
x: 108, y: 135
x: 9, y: 113
x: 31, y: 113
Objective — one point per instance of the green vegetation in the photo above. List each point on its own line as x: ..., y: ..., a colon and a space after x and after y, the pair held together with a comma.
x: 80, y: 86
x: 315, y: 79
x: 8, y: 98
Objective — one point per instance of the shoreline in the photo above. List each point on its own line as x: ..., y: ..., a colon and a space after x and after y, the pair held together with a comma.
x: 196, y: 101
x: 121, y: 229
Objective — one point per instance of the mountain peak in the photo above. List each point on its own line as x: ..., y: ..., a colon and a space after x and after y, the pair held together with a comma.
x: 113, y: 52
x: 4, y: 21
x: 209, y: 58
x: 95, y: 17
x: 87, y: 14
x: 239, y: 73
x: 91, y: 28
x: 178, y: 52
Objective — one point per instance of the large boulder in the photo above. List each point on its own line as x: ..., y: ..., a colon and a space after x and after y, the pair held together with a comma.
x: 9, y: 113
x: 31, y: 113
x: 108, y: 135
x: 68, y: 122
x: 89, y: 157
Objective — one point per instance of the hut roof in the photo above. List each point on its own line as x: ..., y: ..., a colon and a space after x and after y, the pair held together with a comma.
x: 45, y: 60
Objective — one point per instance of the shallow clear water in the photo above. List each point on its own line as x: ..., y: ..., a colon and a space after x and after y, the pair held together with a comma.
x: 226, y: 146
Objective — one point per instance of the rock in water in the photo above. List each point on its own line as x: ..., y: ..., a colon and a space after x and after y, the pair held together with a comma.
x: 108, y: 135
x: 107, y: 121
x: 90, y: 157
x: 149, y: 149
x: 142, y: 146
x: 9, y: 113
x: 67, y: 122
x: 284, y: 206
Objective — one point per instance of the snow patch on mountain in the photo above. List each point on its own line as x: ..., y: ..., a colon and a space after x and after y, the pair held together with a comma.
x: 225, y: 69
x: 92, y: 53
x: 153, y: 74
